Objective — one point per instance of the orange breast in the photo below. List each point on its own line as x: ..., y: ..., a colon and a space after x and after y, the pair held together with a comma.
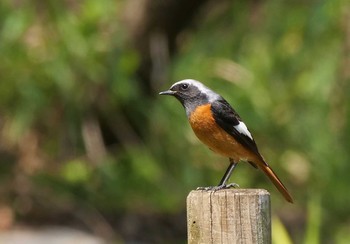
x: 216, y: 138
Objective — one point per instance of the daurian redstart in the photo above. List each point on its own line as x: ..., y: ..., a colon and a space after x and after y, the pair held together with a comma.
x: 219, y: 126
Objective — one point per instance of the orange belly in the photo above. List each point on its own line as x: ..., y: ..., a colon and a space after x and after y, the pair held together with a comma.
x: 216, y: 138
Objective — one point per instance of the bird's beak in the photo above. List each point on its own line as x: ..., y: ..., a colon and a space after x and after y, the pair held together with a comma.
x: 168, y: 92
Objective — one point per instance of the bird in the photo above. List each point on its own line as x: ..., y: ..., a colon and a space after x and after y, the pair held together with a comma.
x: 219, y: 127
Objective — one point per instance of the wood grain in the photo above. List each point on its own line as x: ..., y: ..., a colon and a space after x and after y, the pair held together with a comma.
x: 229, y: 216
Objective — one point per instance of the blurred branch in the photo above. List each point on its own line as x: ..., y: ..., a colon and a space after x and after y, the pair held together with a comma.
x: 93, y: 140
x: 338, y: 103
x: 159, y: 53
x: 232, y: 71
x: 154, y: 31
x: 96, y: 222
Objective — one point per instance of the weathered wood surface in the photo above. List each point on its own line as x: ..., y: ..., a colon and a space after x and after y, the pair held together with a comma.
x: 229, y: 216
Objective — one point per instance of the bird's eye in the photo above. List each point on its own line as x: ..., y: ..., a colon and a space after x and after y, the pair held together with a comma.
x: 184, y: 86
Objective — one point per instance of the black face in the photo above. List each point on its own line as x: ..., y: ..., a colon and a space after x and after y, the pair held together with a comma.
x: 184, y: 91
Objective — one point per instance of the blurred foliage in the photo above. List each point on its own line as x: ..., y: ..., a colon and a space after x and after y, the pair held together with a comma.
x: 79, y: 132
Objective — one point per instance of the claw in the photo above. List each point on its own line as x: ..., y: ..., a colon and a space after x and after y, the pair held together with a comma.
x: 216, y: 188
x: 232, y: 185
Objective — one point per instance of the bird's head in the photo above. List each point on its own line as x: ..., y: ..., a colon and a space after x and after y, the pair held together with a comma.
x: 191, y: 93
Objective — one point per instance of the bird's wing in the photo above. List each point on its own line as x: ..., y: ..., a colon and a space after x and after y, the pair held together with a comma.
x: 228, y: 119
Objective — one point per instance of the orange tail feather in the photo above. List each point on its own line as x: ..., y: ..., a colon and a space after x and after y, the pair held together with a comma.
x: 276, y: 181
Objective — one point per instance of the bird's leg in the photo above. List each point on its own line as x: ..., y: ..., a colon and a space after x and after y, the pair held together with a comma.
x: 225, y: 178
x: 227, y: 175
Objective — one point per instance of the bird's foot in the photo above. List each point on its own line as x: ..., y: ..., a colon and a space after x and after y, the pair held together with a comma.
x: 219, y: 187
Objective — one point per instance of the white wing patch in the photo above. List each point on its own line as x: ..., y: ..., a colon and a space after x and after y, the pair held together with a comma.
x: 242, y: 128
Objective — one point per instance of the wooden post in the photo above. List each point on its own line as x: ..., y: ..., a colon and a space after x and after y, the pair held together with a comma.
x: 229, y: 216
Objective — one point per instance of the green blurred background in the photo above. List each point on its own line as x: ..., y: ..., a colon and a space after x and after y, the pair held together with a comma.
x: 87, y: 143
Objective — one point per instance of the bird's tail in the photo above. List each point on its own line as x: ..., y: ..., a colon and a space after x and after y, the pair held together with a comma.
x: 276, y: 181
